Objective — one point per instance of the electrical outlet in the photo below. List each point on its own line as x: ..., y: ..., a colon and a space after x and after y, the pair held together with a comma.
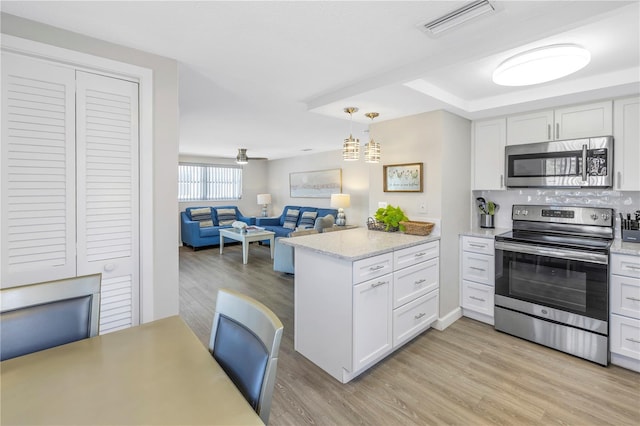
x: 422, y: 206
x: 382, y: 204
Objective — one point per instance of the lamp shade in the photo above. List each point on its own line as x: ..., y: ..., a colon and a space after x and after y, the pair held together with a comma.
x: 264, y: 198
x: 340, y: 201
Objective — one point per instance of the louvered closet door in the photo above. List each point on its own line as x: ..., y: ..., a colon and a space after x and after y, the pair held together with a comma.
x: 107, y: 193
x: 37, y: 172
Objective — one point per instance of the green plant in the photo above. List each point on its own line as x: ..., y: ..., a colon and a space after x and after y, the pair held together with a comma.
x: 487, y: 207
x: 391, y: 217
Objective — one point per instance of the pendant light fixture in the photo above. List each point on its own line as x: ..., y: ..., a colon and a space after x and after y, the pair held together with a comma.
x: 242, y: 158
x: 351, y: 146
x: 372, y: 149
x: 541, y: 65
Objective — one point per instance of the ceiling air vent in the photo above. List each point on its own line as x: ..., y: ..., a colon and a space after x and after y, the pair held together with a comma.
x: 457, y: 17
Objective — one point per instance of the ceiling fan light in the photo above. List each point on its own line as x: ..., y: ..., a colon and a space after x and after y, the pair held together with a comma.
x: 541, y: 65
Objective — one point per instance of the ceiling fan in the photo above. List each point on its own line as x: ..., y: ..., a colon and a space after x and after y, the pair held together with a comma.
x: 242, y: 158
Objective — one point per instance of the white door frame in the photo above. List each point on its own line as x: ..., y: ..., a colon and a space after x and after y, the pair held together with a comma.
x: 144, y: 77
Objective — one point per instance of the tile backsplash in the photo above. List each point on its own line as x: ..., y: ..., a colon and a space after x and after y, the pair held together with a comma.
x: 624, y: 202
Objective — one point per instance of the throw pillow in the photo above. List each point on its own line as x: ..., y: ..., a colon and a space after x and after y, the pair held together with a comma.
x: 203, y: 216
x: 307, y: 220
x: 226, y: 216
x: 324, y: 222
x: 291, y: 219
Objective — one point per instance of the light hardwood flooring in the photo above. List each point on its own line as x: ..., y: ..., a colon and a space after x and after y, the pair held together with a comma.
x: 468, y: 374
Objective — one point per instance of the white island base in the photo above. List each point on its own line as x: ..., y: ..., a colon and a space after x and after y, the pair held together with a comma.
x: 352, y: 311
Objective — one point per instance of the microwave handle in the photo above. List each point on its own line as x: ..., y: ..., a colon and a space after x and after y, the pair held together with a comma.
x: 584, y: 162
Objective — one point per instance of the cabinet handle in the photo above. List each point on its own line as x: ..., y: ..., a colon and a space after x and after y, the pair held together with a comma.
x: 420, y: 315
x: 477, y: 298
x: 478, y: 245
x: 378, y: 284
x: 633, y: 267
x: 376, y: 268
x: 549, y: 132
x: 635, y: 299
x: 501, y: 181
x: 477, y: 269
x: 619, y: 180
x: 420, y: 254
x: 557, y: 130
x: 632, y: 340
x: 419, y: 281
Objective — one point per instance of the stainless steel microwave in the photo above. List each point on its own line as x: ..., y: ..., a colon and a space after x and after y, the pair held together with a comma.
x: 576, y: 163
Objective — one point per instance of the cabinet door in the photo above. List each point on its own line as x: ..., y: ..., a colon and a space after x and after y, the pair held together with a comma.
x: 477, y: 297
x: 372, y: 314
x: 414, y: 317
x: 489, y: 138
x: 625, y: 336
x: 583, y: 121
x: 626, y: 144
x: 478, y: 267
x: 530, y: 128
x: 37, y: 172
x: 414, y: 281
x: 625, y: 296
x: 107, y: 191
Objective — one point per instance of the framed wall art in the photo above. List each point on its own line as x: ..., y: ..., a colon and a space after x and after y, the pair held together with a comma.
x: 315, y: 184
x: 402, y: 177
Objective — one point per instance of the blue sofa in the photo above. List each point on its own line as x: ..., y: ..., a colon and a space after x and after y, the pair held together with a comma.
x: 194, y: 235
x: 276, y: 224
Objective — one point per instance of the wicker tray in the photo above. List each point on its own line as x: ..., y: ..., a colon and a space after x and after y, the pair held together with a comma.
x: 417, y: 228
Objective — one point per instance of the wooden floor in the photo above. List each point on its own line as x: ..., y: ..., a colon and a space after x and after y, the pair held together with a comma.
x: 468, y: 374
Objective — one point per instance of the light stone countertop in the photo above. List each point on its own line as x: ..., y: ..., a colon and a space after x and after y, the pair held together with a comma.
x: 623, y: 247
x: 484, y: 232
x: 356, y: 244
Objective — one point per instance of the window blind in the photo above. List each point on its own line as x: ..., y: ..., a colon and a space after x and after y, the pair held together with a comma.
x: 207, y: 182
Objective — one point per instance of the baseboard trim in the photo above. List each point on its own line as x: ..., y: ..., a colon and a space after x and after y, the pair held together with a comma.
x: 447, y: 320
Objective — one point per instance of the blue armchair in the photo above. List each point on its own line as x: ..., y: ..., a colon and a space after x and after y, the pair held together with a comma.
x: 195, y: 230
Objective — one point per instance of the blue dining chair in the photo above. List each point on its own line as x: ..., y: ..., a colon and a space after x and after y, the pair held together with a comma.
x: 44, y: 315
x: 245, y: 340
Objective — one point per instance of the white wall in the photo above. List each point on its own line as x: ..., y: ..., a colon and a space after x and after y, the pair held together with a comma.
x: 165, y: 144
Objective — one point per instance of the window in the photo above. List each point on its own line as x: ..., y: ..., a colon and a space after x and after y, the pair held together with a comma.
x: 206, y: 182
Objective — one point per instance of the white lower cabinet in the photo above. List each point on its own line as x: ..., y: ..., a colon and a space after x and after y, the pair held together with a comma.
x: 477, y: 271
x: 349, y: 315
x: 624, y: 326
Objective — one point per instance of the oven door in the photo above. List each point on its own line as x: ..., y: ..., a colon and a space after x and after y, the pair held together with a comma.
x: 566, y: 280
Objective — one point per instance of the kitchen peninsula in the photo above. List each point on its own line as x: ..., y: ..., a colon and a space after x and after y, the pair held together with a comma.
x: 360, y: 295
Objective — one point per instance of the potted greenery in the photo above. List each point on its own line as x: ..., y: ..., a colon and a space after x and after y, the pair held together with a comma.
x: 391, y: 217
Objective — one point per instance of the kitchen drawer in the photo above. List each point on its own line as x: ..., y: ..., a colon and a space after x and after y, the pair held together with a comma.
x: 478, y: 245
x: 479, y: 268
x: 623, y: 264
x: 625, y: 336
x: 416, y: 254
x: 372, y: 267
x: 477, y: 297
x: 414, y: 281
x: 625, y: 296
x: 414, y: 317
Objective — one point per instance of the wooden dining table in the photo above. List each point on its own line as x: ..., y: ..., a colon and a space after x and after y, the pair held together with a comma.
x: 157, y: 373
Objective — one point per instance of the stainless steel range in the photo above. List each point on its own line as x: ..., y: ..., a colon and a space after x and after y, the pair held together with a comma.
x: 552, y: 278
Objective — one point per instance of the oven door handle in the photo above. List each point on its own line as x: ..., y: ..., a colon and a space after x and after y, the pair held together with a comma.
x: 569, y: 254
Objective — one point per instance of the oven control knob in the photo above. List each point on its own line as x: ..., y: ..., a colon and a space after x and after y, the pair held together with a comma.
x: 525, y: 212
x: 594, y: 216
x: 605, y: 216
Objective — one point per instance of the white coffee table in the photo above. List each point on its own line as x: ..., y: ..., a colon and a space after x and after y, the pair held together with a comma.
x: 246, y: 238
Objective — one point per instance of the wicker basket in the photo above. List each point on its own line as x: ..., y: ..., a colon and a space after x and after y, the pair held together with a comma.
x: 417, y: 228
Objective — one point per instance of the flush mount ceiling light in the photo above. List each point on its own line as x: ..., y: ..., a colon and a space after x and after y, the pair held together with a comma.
x: 351, y: 146
x: 457, y: 17
x: 372, y: 149
x: 541, y: 65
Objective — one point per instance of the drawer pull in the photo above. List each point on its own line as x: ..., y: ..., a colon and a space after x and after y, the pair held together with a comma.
x: 420, y: 315
x: 632, y: 340
x: 635, y: 299
x: 378, y: 284
x: 477, y: 269
x: 419, y: 281
x: 477, y: 298
x: 632, y: 267
x: 420, y: 254
x: 478, y: 245
x: 376, y: 268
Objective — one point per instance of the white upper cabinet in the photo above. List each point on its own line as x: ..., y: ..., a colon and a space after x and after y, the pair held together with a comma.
x: 489, y: 137
x: 626, y: 144
x: 572, y: 122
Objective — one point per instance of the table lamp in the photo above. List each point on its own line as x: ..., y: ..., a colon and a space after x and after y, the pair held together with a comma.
x: 265, y: 200
x: 340, y: 201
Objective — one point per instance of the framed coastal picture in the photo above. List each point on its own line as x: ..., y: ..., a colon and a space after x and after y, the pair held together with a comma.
x: 402, y: 177
x: 315, y: 184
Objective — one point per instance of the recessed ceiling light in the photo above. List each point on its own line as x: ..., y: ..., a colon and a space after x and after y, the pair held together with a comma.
x: 541, y: 65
